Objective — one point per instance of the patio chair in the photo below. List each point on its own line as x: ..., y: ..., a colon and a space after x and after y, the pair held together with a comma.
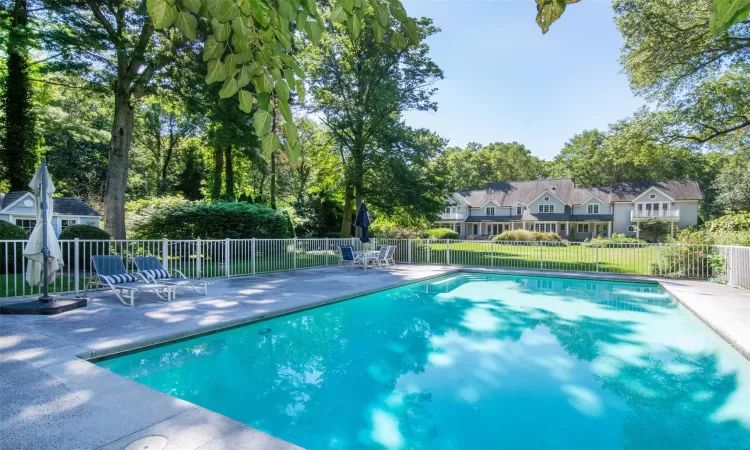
x: 390, y: 258
x: 110, y: 272
x: 155, y: 272
x: 382, y: 259
x: 348, y: 257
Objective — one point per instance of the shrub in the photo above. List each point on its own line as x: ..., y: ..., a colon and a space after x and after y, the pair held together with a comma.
x: 694, y: 258
x: 442, y: 233
x: 11, y: 232
x: 616, y: 240
x: 220, y: 220
x: 84, y: 232
x: 654, y: 229
x: 385, y: 229
x: 289, y: 225
x: 739, y: 221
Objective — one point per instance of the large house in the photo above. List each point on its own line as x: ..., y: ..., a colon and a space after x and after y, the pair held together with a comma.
x: 575, y: 213
x: 17, y: 207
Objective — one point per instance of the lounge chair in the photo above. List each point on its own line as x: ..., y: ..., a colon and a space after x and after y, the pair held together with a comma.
x: 348, y: 257
x: 153, y: 270
x: 390, y: 257
x: 110, y: 272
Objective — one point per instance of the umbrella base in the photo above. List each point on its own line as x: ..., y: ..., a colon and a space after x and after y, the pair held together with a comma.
x: 43, y: 308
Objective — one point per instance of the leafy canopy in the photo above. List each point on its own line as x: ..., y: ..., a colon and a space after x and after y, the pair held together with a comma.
x: 251, y: 45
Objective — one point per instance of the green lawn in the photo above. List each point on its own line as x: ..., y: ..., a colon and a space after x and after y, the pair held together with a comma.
x: 625, y: 260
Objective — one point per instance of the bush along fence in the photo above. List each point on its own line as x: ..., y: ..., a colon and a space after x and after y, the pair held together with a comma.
x: 217, y: 258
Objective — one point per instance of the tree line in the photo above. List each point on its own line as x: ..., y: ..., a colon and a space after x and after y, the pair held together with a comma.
x: 132, y: 101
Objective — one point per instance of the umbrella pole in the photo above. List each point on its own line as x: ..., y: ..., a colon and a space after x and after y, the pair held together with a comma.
x: 45, y: 251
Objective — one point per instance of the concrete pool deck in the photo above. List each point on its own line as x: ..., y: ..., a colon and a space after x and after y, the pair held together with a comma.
x: 52, y: 399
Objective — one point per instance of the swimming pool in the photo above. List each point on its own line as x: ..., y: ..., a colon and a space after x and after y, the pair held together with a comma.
x: 470, y: 361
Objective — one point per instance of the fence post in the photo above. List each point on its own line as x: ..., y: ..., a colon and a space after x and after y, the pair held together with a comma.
x: 165, y: 253
x: 448, y: 251
x: 76, y: 263
x: 408, y: 251
x: 226, y: 257
x: 492, y: 254
x: 252, y: 255
x: 597, y: 258
x: 198, y: 257
x: 429, y: 250
x: 661, y: 270
x: 294, y: 254
x: 328, y: 249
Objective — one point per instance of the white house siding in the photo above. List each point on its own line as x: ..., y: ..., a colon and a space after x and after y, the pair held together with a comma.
x: 646, y: 197
x: 534, y: 206
x: 688, y: 213
x: 621, y: 218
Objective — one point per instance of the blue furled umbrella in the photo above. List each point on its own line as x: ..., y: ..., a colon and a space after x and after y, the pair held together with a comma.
x: 363, y: 221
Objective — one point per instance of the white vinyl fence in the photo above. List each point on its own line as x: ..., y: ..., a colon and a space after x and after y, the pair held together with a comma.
x: 240, y: 257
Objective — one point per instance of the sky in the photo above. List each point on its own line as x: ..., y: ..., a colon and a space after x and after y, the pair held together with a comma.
x: 505, y: 81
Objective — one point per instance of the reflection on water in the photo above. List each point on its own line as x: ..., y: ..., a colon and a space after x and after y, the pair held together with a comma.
x: 471, y: 362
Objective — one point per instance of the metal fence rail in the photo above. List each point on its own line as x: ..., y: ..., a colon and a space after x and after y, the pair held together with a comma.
x: 238, y: 257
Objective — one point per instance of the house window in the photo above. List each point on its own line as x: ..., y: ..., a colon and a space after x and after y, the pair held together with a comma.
x: 652, y: 196
x: 458, y: 228
x: 546, y: 199
x: 506, y: 227
x: 632, y: 228
x: 664, y: 206
x: 27, y: 224
x: 476, y: 229
x: 593, y: 209
x: 562, y: 227
x: 65, y: 223
x: 489, y: 211
x: 451, y: 210
x: 519, y: 210
x: 583, y: 228
x: 547, y: 208
x: 545, y: 227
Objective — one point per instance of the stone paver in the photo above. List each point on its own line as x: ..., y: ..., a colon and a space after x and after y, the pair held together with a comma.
x: 52, y: 399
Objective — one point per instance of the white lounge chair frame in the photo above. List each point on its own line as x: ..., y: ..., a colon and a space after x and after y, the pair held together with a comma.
x: 144, y: 264
x: 125, y: 290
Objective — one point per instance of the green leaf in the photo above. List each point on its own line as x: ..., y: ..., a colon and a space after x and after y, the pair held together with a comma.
x: 193, y: 6
x: 726, y: 13
x: 263, y: 83
x: 548, y: 11
x: 398, y: 41
x: 216, y: 71
x: 339, y: 15
x: 348, y: 5
x: 398, y: 11
x: 264, y: 101
x: 289, y: 76
x: 310, y: 6
x: 301, y: 90
x: 282, y: 90
x: 162, y: 13
x: 382, y: 14
x: 229, y: 88
x: 187, y: 24
x: 269, y: 143
x: 290, y: 132
x: 246, y: 101
x: 227, y: 10
x: 314, y: 32
x: 262, y: 122
x: 246, y: 76
x: 241, y: 43
x: 221, y: 30
x: 285, y: 9
x: 212, y: 49
x: 260, y: 13
x: 285, y: 110
x: 354, y: 25
x: 378, y: 31
x: 286, y: 40
x: 412, y: 31
x: 293, y: 151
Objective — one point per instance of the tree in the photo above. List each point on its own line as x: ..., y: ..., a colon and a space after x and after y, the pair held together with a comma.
x: 476, y: 165
x: 733, y: 186
x: 361, y: 83
x: 653, y: 229
x: 20, y: 142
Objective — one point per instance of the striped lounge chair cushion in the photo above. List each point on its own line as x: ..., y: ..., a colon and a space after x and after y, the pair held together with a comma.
x: 156, y: 273
x: 120, y: 278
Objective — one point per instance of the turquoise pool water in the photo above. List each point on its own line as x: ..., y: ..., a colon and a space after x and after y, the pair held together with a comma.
x: 470, y: 361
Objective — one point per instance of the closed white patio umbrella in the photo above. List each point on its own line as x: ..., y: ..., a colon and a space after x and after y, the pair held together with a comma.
x: 41, y: 270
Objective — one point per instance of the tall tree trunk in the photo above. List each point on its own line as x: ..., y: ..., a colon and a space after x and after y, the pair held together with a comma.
x: 162, y: 187
x: 346, y: 221
x: 117, y: 169
x: 273, y: 180
x: 218, y: 170
x: 230, y: 172
x: 18, y: 148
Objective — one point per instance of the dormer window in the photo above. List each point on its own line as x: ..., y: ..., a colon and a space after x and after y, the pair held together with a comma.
x: 489, y: 211
x: 547, y: 208
x: 519, y: 210
x: 652, y: 196
x: 593, y: 209
x: 546, y: 199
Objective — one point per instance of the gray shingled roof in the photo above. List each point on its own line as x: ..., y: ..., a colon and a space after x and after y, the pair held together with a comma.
x: 68, y: 206
x: 509, y: 193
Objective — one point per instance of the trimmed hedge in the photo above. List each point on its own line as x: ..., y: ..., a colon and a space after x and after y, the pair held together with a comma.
x: 530, y: 236
x: 84, y: 232
x: 11, y: 232
x: 220, y: 220
x: 442, y: 233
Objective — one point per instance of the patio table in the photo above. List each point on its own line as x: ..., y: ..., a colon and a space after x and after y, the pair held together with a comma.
x: 370, y: 255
